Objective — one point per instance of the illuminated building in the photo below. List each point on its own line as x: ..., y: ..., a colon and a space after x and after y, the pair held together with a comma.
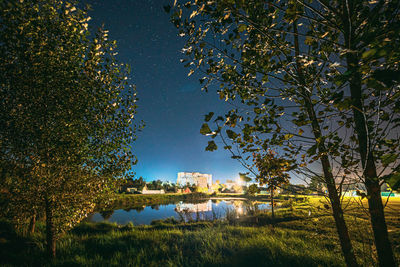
x: 199, y: 179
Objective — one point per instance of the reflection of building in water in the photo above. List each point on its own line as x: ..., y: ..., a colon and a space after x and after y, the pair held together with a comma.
x: 188, y: 207
x: 200, y: 179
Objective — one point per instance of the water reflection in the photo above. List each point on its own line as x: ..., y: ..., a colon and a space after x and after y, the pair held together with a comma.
x: 191, y: 211
x: 184, y: 211
x: 106, y: 214
x: 190, y: 207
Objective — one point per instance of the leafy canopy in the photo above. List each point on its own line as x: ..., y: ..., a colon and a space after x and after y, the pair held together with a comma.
x: 66, y: 110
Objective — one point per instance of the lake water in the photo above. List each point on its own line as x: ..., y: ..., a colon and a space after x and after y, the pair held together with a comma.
x: 207, y: 210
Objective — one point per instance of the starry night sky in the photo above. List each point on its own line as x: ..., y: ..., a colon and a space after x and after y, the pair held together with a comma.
x: 171, y: 104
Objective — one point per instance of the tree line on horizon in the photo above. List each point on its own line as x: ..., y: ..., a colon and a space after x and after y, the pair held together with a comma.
x: 315, y: 187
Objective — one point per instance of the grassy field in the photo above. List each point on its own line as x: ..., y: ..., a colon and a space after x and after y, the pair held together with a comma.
x: 303, y: 234
x: 194, y: 244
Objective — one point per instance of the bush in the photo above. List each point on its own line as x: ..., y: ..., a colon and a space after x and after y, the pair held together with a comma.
x: 252, y: 190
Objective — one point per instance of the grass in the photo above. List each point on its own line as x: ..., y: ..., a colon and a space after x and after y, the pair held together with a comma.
x: 194, y: 244
x: 303, y: 234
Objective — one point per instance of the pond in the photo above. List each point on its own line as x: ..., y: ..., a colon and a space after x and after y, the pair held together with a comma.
x: 207, y: 210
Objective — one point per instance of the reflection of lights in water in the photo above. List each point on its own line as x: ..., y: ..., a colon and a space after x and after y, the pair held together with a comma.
x: 189, y: 207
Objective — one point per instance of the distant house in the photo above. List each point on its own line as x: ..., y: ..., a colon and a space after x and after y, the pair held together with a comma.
x: 152, y: 192
x: 131, y: 190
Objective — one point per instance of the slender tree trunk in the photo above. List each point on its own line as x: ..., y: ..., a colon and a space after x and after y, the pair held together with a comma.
x: 32, y: 223
x: 376, y: 209
x: 50, y: 230
x: 341, y: 227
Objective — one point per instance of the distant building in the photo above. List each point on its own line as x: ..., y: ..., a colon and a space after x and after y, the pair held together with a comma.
x: 200, y: 179
x: 152, y: 192
x: 131, y: 189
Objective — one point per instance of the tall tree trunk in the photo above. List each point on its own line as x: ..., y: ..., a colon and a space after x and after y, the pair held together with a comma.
x: 382, y: 243
x: 341, y: 227
x: 32, y: 223
x: 381, y: 237
x: 50, y: 230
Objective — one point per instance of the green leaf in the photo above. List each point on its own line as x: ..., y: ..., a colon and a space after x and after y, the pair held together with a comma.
x: 312, y: 150
x: 205, y: 129
x: 388, y: 158
x: 211, y: 146
x: 242, y: 27
x: 219, y: 118
x: 231, y: 134
x: 343, y: 104
x: 368, y: 53
x: 209, y: 116
x: 167, y: 8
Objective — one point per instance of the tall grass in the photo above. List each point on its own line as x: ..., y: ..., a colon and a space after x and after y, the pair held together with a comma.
x: 195, y: 244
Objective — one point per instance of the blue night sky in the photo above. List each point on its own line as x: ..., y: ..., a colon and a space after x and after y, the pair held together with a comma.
x: 171, y: 104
